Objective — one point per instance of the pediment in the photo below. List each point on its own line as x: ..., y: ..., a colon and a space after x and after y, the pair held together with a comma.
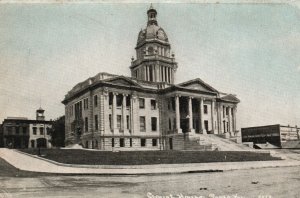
x: 122, y: 81
x: 198, y: 84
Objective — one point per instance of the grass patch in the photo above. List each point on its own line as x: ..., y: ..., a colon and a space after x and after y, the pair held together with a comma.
x: 77, y: 156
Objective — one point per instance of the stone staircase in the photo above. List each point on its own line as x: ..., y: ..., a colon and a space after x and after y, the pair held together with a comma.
x: 208, y: 142
x: 223, y: 144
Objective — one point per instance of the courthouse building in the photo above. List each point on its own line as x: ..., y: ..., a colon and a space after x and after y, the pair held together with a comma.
x: 147, y: 110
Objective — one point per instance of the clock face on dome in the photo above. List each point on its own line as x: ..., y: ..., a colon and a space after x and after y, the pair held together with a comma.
x: 161, y: 34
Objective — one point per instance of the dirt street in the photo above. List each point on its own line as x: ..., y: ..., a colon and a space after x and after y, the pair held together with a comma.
x: 262, y: 183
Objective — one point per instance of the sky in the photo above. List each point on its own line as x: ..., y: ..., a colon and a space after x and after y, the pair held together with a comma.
x: 251, y: 50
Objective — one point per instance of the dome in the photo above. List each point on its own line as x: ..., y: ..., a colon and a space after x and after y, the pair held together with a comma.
x: 152, y: 32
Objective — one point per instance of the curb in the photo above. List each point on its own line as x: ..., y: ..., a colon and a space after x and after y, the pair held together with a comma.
x: 166, y: 169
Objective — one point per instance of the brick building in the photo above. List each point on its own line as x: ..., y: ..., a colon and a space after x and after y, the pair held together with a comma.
x: 147, y: 110
x: 19, y: 132
x: 278, y: 135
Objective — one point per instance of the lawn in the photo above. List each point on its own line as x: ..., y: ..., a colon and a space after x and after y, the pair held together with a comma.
x: 76, y: 156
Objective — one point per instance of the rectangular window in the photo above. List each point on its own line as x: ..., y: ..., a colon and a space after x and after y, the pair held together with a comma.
x: 130, y: 142
x: 154, y: 142
x: 205, y: 109
x: 48, y: 131
x: 95, y: 100
x: 142, y: 123
x: 96, y: 122
x: 142, y: 103
x: 119, y: 118
x: 34, y: 130
x: 153, y: 104
x: 86, y: 124
x: 17, y: 130
x: 112, y: 142
x: 143, y: 142
x: 154, y: 124
x: 206, y: 125
x: 86, y: 103
x: 9, y: 130
x: 41, y: 130
x: 122, y: 143
x: 24, y: 130
x: 127, y: 121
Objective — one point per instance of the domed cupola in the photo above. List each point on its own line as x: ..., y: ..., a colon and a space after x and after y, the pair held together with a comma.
x: 154, y: 61
x: 152, y: 31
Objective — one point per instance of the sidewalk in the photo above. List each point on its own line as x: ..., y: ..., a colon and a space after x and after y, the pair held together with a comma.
x: 35, y: 164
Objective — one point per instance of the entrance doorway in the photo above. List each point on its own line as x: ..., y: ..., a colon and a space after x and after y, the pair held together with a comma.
x: 171, y: 143
x: 41, y: 143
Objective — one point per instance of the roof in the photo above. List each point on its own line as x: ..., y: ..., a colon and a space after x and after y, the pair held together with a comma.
x: 197, y: 86
x: 273, y: 125
x: 40, y: 110
x: 26, y: 121
x: 229, y: 98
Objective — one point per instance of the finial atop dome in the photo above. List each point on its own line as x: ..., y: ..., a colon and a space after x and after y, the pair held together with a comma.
x: 151, y: 6
x: 152, y: 15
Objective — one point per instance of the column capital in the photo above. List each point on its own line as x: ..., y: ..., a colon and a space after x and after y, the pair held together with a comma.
x: 105, y: 91
x: 191, y: 97
x: 178, y: 95
x: 115, y: 93
x: 124, y: 94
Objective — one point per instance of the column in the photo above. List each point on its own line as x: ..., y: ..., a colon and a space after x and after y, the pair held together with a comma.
x: 145, y: 72
x: 166, y: 74
x: 191, y: 129
x: 220, y: 118
x: 101, y: 114
x: 213, y: 116
x: 172, y: 76
x: 163, y: 73
x: 177, y: 113
x: 229, y: 120
x: 156, y: 73
x: 114, y: 113
x: 153, y: 73
x: 123, y: 125
x: 201, y: 117
x: 133, y: 114
x: 160, y: 74
x: 148, y: 73
x: 234, y: 120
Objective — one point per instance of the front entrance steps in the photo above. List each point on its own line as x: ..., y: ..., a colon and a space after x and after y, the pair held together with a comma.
x: 186, y: 141
x: 224, y: 144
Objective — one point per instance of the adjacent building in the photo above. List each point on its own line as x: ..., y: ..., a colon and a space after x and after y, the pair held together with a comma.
x: 147, y: 110
x: 20, y: 132
x: 277, y: 135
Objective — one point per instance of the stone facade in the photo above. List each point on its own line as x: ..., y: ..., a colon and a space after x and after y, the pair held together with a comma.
x: 147, y: 110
